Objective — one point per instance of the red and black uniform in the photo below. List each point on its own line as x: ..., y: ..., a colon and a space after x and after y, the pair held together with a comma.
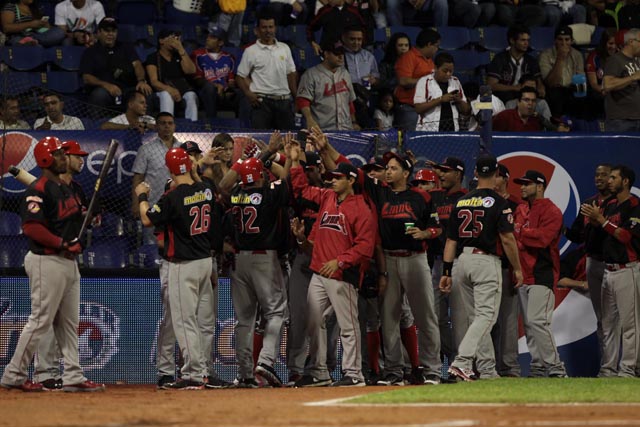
x: 582, y: 231
x: 626, y: 216
x: 442, y: 203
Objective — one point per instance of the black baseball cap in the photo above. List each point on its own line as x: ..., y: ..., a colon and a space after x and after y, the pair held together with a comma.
x: 564, y: 30
x: 217, y: 32
x: 486, y: 163
x: 404, y: 161
x: 503, y: 171
x: 452, y: 163
x: 375, y: 163
x: 166, y: 32
x: 313, y: 159
x: 345, y: 169
x: 532, y: 177
x: 334, y: 46
x: 108, y: 23
x: 190, y: 147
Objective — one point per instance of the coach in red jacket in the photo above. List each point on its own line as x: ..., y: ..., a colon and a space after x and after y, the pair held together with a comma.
x: 537, y: 229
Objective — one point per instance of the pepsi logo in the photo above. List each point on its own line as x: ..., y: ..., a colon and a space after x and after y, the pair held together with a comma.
x: 18, y: 151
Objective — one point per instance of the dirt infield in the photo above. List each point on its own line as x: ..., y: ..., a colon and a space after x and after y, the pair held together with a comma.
x: 123, y: 406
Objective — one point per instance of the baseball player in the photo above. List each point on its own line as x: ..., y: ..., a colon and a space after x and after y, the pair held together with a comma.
x: 426, y: 180
x: 51, y: 219
x: 583, y: 231
x: 621, y: 245
x: 257, y: 278
x: 538, y: 224
x: 343, y: 239
x: 187, y: 215
x: 480, y: 227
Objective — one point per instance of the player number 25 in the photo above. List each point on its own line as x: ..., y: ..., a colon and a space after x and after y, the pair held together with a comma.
x: 467, y: 217
x: 201, y: 219
x: 245, y: 218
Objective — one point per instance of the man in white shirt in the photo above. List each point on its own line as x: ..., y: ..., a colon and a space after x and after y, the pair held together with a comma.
x: 55, y: 120
x: 267, y: 77
x: 79, y: 19
x: 135, y: 117
x: 10, y: 115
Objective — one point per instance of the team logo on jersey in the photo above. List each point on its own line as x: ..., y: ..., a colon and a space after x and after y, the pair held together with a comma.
x: 401, y: 211
x: 98, y: 335
x: 155, y: 208
x: 333, y: 222
x: 255, y: 198
x: 487, y: 202
x: 33, y: 207
x: 474, y: 202
x: 199, y: 197
x: 18, y: 151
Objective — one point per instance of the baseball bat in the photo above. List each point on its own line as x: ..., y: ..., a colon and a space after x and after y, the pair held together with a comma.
x: 111, y: 152
x: 21, y: 175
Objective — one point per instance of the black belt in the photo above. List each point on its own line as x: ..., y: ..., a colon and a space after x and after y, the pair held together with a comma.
x: 616, y: 267
x: 275, y: 97
x: 403, y: 254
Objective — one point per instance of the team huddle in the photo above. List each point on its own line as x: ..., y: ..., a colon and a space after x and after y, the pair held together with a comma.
x: 405, y: 268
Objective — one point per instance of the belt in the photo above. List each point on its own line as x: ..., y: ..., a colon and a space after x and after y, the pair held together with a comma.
x: 67, y: 255
x: 616, y: 267
x: 403, y: 254
x: 275, y: 97
x: 475, y: 251
x: 258, y: 252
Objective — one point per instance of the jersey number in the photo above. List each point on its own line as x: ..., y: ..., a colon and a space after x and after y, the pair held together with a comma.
x: 246, y: 216
x: 201, y: 218
x: 466, y: 229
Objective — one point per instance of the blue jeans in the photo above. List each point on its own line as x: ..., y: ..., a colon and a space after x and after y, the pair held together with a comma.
x: 232, y: 24
x: 438, y: 8
x: 554, y: 15
x: 52, y: 37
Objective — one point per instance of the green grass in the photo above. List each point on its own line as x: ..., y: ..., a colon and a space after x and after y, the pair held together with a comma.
x: 516, y: 390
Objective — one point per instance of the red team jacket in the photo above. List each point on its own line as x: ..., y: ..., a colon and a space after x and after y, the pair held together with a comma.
x: 537, y: 230
x: 344, y: 231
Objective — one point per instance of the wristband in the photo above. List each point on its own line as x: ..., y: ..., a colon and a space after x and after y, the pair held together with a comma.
x: 446, y: 268
x: 609, y: 227
x: 143, y: 198
x: 300, y: 242
x: 277, y: 158
x: 268, y: 164
x: 433, y: 231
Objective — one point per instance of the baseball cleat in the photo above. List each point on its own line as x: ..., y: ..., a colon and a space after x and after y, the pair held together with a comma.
x: 268, y: 374
x: 216, y: 383
x: 310, y: 381
x: 348, y: 381
x: 186, y: 385
x: 391, y: 379
x: 85, y: 387
x: 431, y: 379
x: 164, y: 381
x: 28, y: 386
x: 462, y: 373
x: 52, y: 384
x: 245, y: 383
x: 293, y: 378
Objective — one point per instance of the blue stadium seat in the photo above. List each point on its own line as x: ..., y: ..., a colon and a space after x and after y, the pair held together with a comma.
x: 128, y: 33
x: 468, y: 63
x: 24, y: 58
x: 494, y: 38
x: 378, y: 52
x: 382, y: 35
x: 298, y: 35
x: 65, y: 57
x: 305, y: 58
x: 146, y: 256
x: 175, y: 16
x: 19, y: 82
x: 108, y: 252
x: 136, y: 12
x: 236, y: 52
x: 143, y: 52
x: 542, y: 38
x: 411, y: 31
x: 595, y: 37
x: 67, y: 82
x: 10, y: 224
x: 110, y: 225
x: 12, y: 251
x: 453, y: 37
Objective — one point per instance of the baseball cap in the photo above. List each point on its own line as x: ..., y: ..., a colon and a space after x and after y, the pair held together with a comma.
x: 345, y: 169
x: 531, y: 177
x: 313, y: 159
x: 452, y: 163
x: 73, y: 148
x: 332, y: 46
x: 404, y: 161
x: 503, y: 171
x: 562, y: 120
x: 190, y: 147
x: 166, y: 32
x: 217, y: 32
x: 108, y: 23
x: 374, y: 163
x: 564, y: 30
x: 486, y: 164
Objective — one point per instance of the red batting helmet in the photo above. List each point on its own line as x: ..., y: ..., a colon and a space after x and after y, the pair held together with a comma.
x: 44, y: 149
x: 178, y: 161
x: 73, y: 148
x: 426, y: 175
x: 251, y: 170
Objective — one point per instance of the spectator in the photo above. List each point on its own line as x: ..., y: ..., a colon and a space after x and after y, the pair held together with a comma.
x: 439, y: 98
x: 267, y: 77
x: 325, y: 94
x: 383, y: 115
x: 541, y: 106
x: 361, y: 63
x: 23, y: 24
x: 528, y: 14
x: 135, y: 117
x: 55, y: 120
x: 558, y: 65
x: 224, y: 142
x: 169, y: 70
x: 229, y: 21
x: 522, y: 118
x: 332, y: 19
x: 418, y: 12
x: 629, y: 15
x: 475, y: 122
x: 595, y: 72
x: 289, y: 12
x: 79, y: 20
x: 506, y: 68
x: 398, y: 44
x: 557, y: 11
x: 110, y: 68
x: 621, y: 77
x: 10, y: 115
x: 215, y: 74
x: 410, y: 67
x: 473, y: 13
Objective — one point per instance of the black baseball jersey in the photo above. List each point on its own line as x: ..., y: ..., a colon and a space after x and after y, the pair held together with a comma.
x: 625, y: 215
x: 394, y: 209
x: 582, y: 231
x: 190, y: 219
x: 442, y: 202
x: 54, y: 205
x: 256, y: 213
x: 477, y: 219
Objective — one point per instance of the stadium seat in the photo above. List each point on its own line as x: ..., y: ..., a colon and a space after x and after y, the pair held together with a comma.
x: 67, y: 82
x: 12, y: 251
x: 19, y: 82
x: 10, y: 224
x: 298, y: 35
x: 305, y: 58
x: 143, y: 52
x: 382, y: 35
x: 378, y: 53
x: 24, y: 58
x: 494, y: 38
x: 108, y: 252
x: 236, y: 52
x: 136, y: 12
x: 468, y: 64
x: 110, y: 225
x: 65, y: 57
x: 178, y: 17
x: 146, y: 256
x: 412, y: 32
x: 595, y: 37
x: 453, y: 37
x: 542, y: 38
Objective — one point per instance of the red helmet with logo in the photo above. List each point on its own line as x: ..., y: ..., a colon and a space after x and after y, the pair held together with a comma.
x: 251, y: 170
x: 44, y: 149
x: 178, y: 161
x: 426, y: 175
x: 73, y: 148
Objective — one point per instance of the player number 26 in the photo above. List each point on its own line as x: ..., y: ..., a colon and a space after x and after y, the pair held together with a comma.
x: 467, y: 229
x: 201, y: 219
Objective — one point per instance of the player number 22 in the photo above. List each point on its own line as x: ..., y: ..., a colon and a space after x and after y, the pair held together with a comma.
x: 466, y: 229
x: 246, y: 217
x: 201, y: 219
